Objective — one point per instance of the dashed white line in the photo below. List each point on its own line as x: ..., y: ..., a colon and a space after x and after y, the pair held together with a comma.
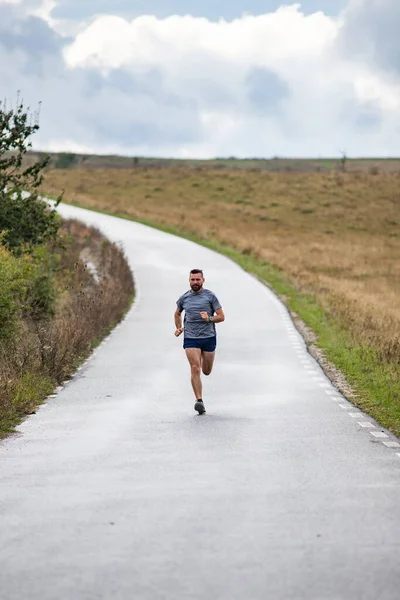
x: 354, y: 415
x: 392, y: 444
x: 379, y: 434
x: 366, y: 424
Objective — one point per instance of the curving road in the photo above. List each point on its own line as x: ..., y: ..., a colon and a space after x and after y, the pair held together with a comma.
x: 116, y: 489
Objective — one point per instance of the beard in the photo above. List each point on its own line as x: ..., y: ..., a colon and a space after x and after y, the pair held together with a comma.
x: 196, y: 287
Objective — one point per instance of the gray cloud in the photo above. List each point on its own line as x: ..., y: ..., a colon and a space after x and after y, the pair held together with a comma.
x: 359, y: 119
x: 29, y: 37
x: 372, y: 33
x: 206, y: 103
x: 266, y: 90
x: 81, y: 105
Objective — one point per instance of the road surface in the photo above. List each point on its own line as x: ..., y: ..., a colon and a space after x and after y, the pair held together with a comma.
x: 117, y: 489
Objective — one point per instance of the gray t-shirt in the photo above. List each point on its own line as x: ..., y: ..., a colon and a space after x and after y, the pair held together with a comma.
x: 193, y: 303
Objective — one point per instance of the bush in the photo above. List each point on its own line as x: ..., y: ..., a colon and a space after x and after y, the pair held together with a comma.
x: 26, y: 288
x: 14, y: 283
x: 65, y: 160
x: 41, y: 291
x: 25, y: 219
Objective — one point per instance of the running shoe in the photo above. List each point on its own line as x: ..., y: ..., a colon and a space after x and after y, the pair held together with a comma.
x: 199, y: 406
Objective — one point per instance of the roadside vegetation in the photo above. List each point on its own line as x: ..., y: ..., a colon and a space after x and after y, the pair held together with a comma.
x: 63, y: 286
x: 327, y: 242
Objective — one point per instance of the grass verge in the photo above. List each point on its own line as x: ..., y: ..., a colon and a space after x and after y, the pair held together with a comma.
x: 93, y: 289
x: 375, y: 382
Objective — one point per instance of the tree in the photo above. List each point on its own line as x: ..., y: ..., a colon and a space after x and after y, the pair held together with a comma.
x: 25, y: 218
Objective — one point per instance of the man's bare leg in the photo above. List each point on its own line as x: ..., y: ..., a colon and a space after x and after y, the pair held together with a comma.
x: 194, y: 358
x: 207, y: 362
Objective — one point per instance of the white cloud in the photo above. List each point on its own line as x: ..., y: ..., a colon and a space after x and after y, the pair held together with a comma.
x: 196, y: 56
x: 276, y: 84
x: 43, y: 11
x: 112, y: 42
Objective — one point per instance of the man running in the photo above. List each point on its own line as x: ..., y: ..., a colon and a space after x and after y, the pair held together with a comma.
x: 202, y: 312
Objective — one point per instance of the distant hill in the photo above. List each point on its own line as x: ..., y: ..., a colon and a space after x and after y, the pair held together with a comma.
x: 68, y: 160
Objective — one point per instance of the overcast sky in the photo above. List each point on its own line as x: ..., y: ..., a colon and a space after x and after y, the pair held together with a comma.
x: 191, y: 78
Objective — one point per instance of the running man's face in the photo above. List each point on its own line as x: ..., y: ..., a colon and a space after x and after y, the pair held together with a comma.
x: 196, y: 281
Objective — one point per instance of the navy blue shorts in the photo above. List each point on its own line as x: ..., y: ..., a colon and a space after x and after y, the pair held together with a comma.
x: 205, y: 344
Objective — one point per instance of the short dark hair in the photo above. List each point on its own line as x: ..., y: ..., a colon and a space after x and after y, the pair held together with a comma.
x: 196, y: 271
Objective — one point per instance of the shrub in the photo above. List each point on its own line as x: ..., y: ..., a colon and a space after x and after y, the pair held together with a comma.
x: 25, y: 219
x: 65, y: 160
x: 41, y: 291
x: 26, y: 288
x: 14, y: 282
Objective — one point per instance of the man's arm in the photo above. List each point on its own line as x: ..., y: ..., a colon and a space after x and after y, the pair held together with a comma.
x: 178, y: 322
x: 219, y: 316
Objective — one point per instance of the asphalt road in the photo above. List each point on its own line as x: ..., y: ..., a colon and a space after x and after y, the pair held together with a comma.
x: 117, y: 489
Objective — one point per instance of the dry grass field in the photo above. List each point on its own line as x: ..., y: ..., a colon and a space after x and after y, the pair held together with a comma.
x: 334, y: 236
x: 337, y: 236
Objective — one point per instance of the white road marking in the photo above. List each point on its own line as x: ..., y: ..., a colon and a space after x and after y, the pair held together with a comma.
x: 345, y: 406
x: 392, y: 444
x: 379, y: 434
x: 354, y: 415
x: 366, y: 424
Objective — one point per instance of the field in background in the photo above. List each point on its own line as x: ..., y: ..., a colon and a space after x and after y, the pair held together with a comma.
x: 69, y: 160
x: 334, y: 235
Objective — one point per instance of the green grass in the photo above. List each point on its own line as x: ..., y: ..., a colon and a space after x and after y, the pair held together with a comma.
x: 29, y: 393
x: 375, y: 383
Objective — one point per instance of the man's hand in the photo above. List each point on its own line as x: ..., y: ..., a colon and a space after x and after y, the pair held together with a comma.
x: 178, y: 331
x: 205, y: 316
